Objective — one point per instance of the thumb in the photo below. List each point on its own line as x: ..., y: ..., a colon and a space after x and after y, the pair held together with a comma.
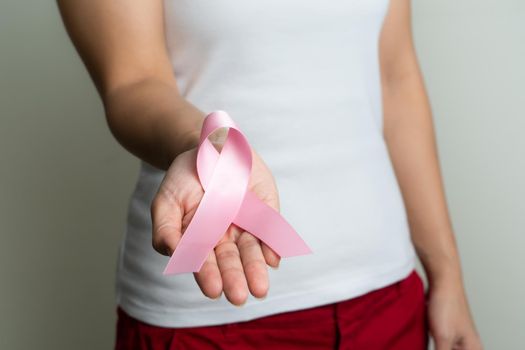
x: 166, y: 217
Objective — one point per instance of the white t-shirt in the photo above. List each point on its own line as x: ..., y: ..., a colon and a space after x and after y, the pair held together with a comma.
x: 301, y: 80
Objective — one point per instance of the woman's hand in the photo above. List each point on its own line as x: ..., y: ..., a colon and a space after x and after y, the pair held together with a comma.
x: 450, y: 321
x: 238, y: 262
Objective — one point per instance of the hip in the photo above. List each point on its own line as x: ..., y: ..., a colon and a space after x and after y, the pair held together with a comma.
x: 392, y: 317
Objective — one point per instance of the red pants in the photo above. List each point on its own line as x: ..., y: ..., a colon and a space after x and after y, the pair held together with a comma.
x: 393, y: 317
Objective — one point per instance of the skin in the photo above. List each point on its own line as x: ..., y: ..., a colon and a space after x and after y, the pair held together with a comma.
x: 122, y: 45
x: 410, y: 137
x: 239, y: 261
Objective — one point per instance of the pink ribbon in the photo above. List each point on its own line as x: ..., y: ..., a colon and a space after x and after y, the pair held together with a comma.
x: 224, y: 177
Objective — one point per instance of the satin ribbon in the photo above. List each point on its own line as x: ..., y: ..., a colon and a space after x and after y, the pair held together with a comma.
x: 224, y: 177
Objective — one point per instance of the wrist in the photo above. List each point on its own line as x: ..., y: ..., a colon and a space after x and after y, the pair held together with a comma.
x: 439, y: 256
x: 184, y: 143
x: 444, y: 273
x: 190, y: 140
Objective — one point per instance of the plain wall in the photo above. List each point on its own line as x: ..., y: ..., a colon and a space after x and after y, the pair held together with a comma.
x: 65, y: 182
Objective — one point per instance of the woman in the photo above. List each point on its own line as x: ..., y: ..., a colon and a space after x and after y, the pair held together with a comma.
x: 330, y: 96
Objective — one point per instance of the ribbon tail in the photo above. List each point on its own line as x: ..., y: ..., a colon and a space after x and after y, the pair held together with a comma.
x: 201, y: 236
x: 210, y: 222
x: 267, y: 224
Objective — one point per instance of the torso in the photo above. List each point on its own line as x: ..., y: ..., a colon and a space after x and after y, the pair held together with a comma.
x: 301, y: 80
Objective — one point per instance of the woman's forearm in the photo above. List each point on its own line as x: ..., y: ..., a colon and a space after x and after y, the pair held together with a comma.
x: 409, y: 133
x: 123, y: 46
x: 410, y: 138
x: 152, y: 121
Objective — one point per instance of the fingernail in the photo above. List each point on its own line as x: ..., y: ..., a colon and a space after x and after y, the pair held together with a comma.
x: 217, y: 297
x: 241, y: 305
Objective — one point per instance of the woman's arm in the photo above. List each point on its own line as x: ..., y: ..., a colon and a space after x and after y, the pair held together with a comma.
x: 409, y: 133
x: 122, y: 44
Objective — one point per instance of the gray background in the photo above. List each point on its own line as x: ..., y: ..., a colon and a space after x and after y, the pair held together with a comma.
x: 65, y: 182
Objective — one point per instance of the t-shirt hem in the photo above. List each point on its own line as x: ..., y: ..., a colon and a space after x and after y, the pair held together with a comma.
x: 327, y: 293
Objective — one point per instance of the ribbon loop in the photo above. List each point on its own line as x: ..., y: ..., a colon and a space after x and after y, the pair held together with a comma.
x: 224, y: 177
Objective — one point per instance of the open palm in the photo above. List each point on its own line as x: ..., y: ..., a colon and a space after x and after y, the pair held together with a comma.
x: 238, y: 264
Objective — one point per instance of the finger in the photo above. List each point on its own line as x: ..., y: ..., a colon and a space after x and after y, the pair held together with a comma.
x: 254, y: 264
x: 270, y: 256
x: 233, y: 280
x: 458, y: 344
x: 444, y: 343
x: 166, y: 216
x: 473, y: 341
x: 209, y: 277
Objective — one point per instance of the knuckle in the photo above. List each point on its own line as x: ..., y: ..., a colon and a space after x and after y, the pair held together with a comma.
x: 254, y: 265
x: 444, y: 337
x: 227, y: 254
x: 247, y: 241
